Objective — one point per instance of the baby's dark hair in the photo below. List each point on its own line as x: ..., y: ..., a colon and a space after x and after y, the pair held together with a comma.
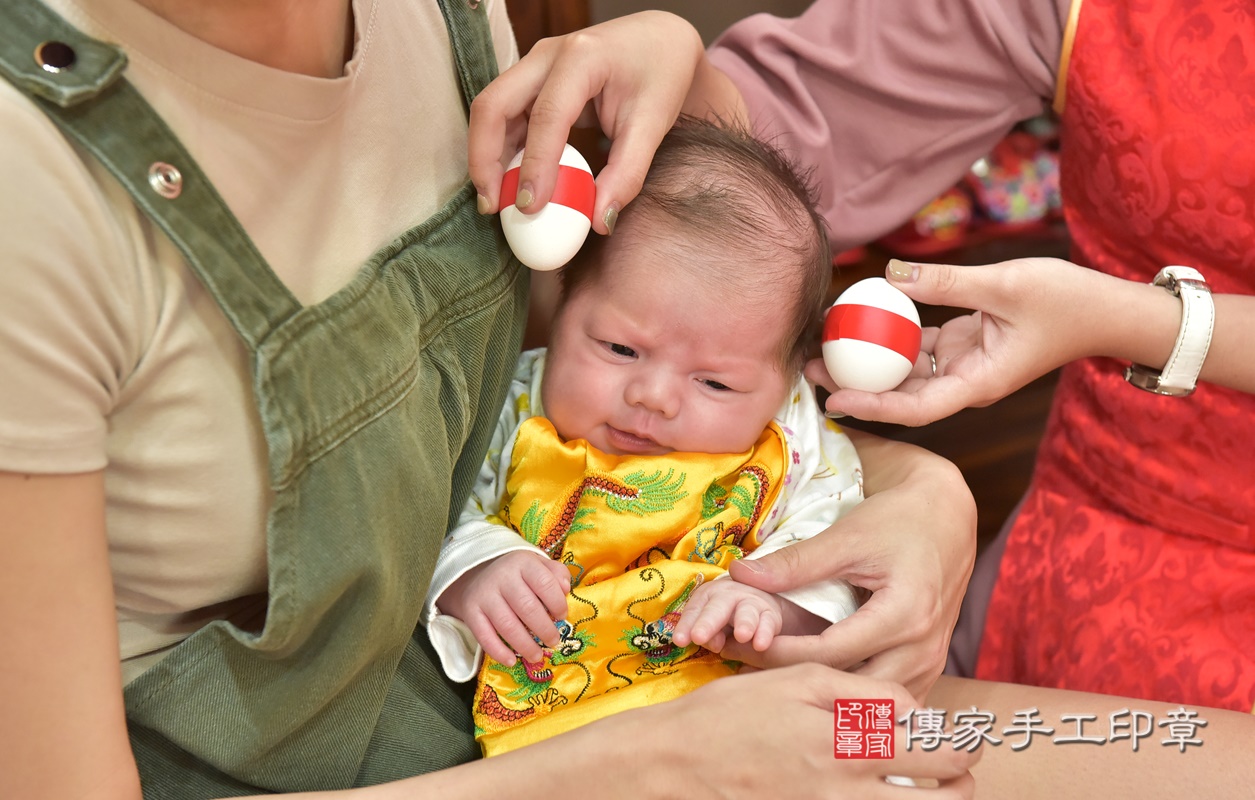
x: 728, y: 192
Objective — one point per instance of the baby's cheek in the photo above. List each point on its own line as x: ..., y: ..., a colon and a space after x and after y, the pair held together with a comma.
x: 728, y: 429
x: 566, y: 399
x: 561, y: 415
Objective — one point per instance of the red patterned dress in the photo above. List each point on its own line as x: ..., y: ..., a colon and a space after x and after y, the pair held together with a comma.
x: 1131, y: 567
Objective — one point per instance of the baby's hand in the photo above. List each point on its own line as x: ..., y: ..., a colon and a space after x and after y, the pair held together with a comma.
x: 511, y: 598
x: 718, y: 608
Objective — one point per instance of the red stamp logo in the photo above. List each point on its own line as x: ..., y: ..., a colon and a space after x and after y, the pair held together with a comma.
x: 863, y: 729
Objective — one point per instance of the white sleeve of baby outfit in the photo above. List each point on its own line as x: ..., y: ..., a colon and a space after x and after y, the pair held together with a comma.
x: 823, y: 481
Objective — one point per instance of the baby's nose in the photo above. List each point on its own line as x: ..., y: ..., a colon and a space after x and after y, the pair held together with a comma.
x: 655, y: 393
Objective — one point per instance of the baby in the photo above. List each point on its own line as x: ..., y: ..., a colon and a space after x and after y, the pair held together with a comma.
x: 666, y: 432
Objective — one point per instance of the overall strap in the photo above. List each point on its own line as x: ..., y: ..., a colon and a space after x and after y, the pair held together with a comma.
x: 30, y: 59
x: 473, y: 52
x: 89, y: 100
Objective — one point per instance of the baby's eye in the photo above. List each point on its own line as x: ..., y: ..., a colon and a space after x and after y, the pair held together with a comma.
x: 621, y: 350
x: 717, y: 386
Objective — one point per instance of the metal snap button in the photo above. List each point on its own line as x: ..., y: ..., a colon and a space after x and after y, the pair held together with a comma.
x: 165, y: 179
x: 55, y: 56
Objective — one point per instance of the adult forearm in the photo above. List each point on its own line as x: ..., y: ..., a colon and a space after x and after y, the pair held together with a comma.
x: 527, y: 774
x: 1138, y: 322
x: 62, y: 721
x: 1219, y: 767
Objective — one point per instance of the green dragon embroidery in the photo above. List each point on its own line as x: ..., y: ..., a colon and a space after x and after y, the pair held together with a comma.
x: 638, y: 493
x: 747, y: 497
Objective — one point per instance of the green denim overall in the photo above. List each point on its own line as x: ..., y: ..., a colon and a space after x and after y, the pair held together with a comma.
x: 377, y: 406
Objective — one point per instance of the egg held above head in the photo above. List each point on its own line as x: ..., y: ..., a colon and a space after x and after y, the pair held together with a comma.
x: 551, y: 237
x: 871, y: 336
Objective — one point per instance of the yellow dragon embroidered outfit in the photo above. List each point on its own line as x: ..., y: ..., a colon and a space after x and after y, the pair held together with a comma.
x: 638, y: 534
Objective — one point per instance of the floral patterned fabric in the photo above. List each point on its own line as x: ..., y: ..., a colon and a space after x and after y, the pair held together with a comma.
x: 1131, y: 567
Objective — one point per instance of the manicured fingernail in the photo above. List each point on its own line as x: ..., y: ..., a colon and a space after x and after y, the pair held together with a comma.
x: 902, y: 271
x: 610, y: 218
x: 752, y: 566
x: 834, y: 415
x: 525, y: 197
x: 482, y: 203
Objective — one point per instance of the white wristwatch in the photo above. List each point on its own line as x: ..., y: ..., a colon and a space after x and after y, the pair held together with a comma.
x: 1198, y: 316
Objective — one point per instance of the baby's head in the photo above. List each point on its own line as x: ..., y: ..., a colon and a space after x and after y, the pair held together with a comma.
x: 687, y: 328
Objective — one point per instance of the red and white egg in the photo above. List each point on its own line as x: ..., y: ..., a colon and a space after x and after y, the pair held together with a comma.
x: 551, y: 237
x: 871, y: 336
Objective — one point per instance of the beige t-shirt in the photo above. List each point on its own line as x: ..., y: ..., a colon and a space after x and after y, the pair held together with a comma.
x: 112, y: 355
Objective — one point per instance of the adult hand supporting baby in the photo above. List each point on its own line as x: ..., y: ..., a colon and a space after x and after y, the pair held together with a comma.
x: 633, y: 75
x: 911, y: 543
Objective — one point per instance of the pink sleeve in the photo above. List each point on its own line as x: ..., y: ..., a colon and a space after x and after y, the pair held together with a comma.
x: 890, y: 101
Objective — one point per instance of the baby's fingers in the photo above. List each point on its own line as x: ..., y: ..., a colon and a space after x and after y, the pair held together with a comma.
x: 768, y: 625
x: 711, y: 619
x: 542, y: 599
x: 488, y: 639
x: 514, y: 631
x: 682, y: 635
x: 746, y: 618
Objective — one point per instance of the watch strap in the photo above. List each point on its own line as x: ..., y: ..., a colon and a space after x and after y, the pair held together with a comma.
x: 1198, y: 316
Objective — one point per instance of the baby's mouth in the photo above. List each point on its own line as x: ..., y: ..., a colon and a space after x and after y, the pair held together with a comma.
x: 631, y: 442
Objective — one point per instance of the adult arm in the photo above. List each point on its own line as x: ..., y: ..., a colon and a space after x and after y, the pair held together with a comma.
x: 66, y: 337
x: 911, y: 543
x: 1220, y: 767
x: 778, y: 724
x: 1037, y: 314
x: 891, y: 103
x: 63, y: 730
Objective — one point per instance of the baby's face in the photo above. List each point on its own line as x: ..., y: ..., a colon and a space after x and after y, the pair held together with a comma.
x: 647, y: 360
